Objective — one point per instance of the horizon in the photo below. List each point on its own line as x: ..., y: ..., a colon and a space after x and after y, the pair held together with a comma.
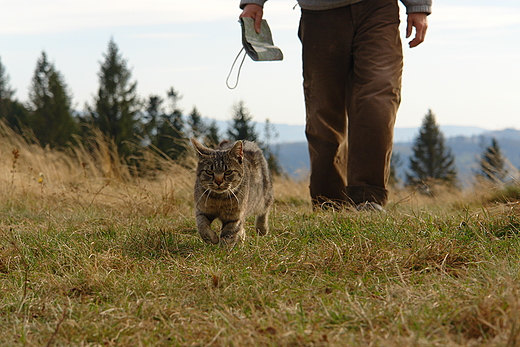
x: 293, y: 133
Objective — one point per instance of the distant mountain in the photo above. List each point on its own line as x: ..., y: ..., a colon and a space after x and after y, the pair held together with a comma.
x: 506, y: 134
x: 294, y: 158
x: 466, y: 149
x: 409, y: 134
x: 466, y: 143
x: 285, y: 133
x: 296, y: 133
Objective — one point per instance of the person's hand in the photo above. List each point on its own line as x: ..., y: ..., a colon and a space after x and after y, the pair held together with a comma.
x: 256, y: 12
x: 419, y: 21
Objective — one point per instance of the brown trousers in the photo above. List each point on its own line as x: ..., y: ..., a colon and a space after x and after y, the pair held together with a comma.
x: 352, y: 67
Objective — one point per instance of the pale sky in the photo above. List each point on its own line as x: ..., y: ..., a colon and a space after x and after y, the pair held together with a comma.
x: 467, y: 71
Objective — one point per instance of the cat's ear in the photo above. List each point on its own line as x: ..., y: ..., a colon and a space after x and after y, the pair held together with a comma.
x: 200, y: 148
x: 238, y: 151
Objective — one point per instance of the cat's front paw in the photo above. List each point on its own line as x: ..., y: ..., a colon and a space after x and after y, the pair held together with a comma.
x: 230, y: 239
x: 209, y: 236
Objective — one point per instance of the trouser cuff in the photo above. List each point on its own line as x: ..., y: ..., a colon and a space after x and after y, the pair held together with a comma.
x: 360, y: 194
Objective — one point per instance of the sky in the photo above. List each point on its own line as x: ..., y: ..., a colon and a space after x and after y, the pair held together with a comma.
x: 467, y: 71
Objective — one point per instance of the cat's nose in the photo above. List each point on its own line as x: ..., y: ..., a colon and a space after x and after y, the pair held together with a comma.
x: 219, y: 180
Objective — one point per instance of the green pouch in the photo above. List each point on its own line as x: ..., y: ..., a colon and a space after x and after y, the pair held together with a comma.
x: 259, y: 47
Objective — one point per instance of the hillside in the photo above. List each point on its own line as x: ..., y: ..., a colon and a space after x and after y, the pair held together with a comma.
x: 91, y: 255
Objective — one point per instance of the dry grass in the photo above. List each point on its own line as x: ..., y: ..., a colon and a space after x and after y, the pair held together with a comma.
x: 90, y: 256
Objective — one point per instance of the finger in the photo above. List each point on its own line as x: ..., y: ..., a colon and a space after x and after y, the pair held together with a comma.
x: 414, y: 43
x: 418, y: 39
x: 258, y: 23
x: 409, y: 27
x: 256, y: 12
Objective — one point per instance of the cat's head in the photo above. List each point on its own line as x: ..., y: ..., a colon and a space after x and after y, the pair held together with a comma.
x: 220, y: 170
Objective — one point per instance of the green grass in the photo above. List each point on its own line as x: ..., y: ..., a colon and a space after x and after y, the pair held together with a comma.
x: 106, y: 275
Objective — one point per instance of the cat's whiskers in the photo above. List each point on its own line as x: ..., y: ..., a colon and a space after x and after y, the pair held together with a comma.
x: 202, y: 195
x: 236, y: 197
x: 207, y: 196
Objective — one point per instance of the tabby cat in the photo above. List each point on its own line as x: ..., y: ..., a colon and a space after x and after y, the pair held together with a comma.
x: 232, y: 182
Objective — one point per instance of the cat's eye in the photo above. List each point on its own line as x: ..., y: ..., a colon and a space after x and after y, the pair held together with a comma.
x: 228, y: 172
x: 208, y: 172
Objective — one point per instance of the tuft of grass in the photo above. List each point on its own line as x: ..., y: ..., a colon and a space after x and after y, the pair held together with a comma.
x: 505, y: 193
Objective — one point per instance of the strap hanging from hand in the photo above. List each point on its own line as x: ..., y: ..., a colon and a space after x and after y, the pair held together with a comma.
x: 239, y: 68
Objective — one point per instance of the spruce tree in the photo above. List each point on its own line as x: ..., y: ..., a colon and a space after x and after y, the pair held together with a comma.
x: 196, y: 124
x: 212, y: 136
x: 431, y: 161
x: 242, y: 127
x: 270, y: 135
x: 6, y: 92
x: 116, y: 107
x: 13, y: 112
x: 395, y: 164
x: 50, y: 103
x: 153, y: 112
x: 492, y: 163
x: 170, y: 137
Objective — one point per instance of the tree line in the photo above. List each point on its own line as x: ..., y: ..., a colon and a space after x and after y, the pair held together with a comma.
x: 116, y: 110
x: 432, y: 162
x: 156, y: 122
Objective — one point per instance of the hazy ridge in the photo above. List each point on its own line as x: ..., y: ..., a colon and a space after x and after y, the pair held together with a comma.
x: 466, y: 143
x: 466, y: 149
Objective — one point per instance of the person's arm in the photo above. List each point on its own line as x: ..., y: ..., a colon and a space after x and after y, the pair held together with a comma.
x: 419, y: 21
x: 254, y: 11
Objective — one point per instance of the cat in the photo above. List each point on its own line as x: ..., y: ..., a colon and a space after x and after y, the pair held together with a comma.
x: 232, y: 182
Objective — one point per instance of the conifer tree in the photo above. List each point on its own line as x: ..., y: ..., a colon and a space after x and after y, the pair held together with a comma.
x: 268, y: 148
x: 116, y: 106
x: 492, y: 163
x: 50, y: 106
x: 196, y: 124
x: 395, y: 164
x: 6, y: 93
x: 154, y: 111
x: 170, y: 135
x: 431, y: 161
x: 242, y: 127
x: 13, y: 112
x: 212, y: 136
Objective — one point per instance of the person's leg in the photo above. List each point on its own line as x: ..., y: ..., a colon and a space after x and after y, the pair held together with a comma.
x: 326, y: 38
x: 374, y: 99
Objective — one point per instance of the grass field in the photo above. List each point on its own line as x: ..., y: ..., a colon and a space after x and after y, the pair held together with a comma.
x: 90, y: 256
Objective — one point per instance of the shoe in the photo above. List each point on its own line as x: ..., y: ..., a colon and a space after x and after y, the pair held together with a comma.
x: 370, y: 206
